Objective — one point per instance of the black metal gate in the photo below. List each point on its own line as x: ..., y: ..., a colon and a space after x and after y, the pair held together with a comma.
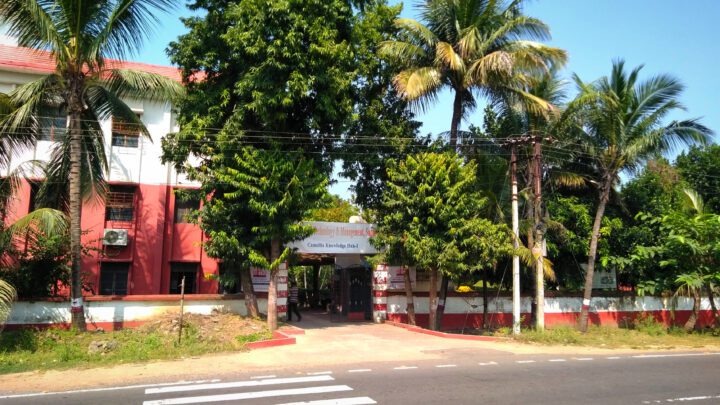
x: 351, y: 294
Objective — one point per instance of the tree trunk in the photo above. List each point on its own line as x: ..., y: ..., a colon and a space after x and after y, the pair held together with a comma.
x: 249, y: 293
x: 692, y: 321
x: 432, y: 299
x: 485, y: 301
x: 456, y: 118
x: 587, y: 295
x: 409, y: 298
x: 75, y: 108
x: 711, y: 297
x: 441, y: 301
x: 272, y: 319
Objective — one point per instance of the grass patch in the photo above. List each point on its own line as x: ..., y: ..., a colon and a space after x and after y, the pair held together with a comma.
x: 642, y: 337
x: 32, y: 349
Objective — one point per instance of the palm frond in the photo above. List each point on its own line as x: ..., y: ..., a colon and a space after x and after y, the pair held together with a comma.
x: 414, y: 83
x: 445, y: 55
x: 127, y: 83
x: 7, y: 296
x: 46, y: 220
x: 127, y: 25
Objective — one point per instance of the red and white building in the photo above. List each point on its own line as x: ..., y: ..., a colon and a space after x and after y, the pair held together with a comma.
x: 154, y: 246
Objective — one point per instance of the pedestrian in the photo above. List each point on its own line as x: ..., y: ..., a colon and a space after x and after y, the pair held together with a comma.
x: 293, y: 302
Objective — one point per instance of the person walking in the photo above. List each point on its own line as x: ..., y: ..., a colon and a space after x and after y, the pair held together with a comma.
x: 293, y: 302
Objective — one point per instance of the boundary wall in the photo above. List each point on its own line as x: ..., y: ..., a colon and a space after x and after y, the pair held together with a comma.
x: 466, y: 312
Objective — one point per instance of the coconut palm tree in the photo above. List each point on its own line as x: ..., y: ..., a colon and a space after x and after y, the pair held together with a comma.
x: 473, y: 47
x: 80, y: 36
x: 624, y: 124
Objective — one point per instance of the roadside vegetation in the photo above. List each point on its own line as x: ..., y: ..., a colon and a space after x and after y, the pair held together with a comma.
x: 646, y: 334
x: 33, y: 349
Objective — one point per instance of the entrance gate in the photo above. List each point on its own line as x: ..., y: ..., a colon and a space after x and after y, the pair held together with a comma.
x: 351, y: 294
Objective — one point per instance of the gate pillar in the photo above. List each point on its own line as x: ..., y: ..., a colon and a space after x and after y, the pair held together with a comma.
x: 380, y: 292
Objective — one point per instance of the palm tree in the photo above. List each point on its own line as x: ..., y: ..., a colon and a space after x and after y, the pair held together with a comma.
x: 80, y: 36
x: 473, y: 47
x: 623, y: 126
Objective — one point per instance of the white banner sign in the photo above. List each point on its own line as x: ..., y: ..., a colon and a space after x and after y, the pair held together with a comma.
x: 337, y: 238
x: 260, y: 279
x: 397, y: 277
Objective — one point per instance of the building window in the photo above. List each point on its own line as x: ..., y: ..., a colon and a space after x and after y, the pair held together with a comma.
x: 180, y: 270
x: 53, y: 127
x: 120, y: 203
x: 183, y: 209
x: 114, y: 278
x: 125, y: 134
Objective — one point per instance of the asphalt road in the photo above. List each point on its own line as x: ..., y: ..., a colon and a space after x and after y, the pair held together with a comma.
x: 459, y: 377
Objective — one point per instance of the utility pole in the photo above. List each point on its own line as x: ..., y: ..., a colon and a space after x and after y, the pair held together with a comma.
x: 516, y: 240
x: 539, y: 247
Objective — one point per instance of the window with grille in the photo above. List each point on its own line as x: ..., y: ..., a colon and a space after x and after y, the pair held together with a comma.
x: 53, y: 126
x: 183, y: 209
x: 125, y: 134
x: 180, y: 270
x: 114, y: 278
x: 120, y: 203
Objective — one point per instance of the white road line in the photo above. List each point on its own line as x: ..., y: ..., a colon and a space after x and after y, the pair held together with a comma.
x: 405, y: 368
x: 525, y: 361
x: 613, y: 357
x: 490, y: 363
x: 249, y: 395
x: 339, y: 401
x: 652, y: 356
x: 445, y: 365
x: 320, y: 373
x: 238, y: 384
x: 583, y: 358
x: 360, y: 370
x: 556, y: 360
x: 685, y: 399
x: 262, y: 377
x: 124, y: 387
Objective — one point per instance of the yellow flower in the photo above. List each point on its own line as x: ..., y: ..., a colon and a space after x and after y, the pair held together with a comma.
x: 464, y: 289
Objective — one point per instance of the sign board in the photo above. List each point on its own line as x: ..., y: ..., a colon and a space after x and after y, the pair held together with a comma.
x: 603, y: 279
x: 261, y: 278
x: 397, y: 277
x: 337, y: 238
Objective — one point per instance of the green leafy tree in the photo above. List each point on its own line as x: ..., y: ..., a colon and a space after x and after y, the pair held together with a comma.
x: 259, y: 198
x: 80, y: 36
x: 700, y: 167
x: 688, y: 246
x: 430, y: 199
x: 25, y: 231
x: 470, y: 47
x: 624, y: 126
x: 337, y: 209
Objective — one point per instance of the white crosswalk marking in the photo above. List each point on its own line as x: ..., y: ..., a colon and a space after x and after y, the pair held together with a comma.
x: 228, y: 394
x: 237, y: 384
x: 249, y: 395
x: 341, y: 401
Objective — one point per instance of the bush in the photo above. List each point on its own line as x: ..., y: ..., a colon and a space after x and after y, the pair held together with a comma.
x: 647, y: 324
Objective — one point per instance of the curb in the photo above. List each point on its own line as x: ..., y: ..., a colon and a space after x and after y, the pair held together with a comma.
x: 445, y: 335
x: 278, y: 339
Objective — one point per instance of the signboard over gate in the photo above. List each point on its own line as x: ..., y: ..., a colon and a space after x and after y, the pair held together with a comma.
x: 337, y: 238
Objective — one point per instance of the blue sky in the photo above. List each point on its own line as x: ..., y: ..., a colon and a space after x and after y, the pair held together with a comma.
x: 681, y: 38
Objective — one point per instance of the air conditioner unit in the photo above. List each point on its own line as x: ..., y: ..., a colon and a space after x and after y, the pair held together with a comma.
x: 115, y: 237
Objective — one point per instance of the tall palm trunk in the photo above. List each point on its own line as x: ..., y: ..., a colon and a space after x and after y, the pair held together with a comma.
x: 456, y: 117
x: 454, y: 126
x: 692, y: 320
x: 713, y: 307
x: 432, y: 299
x: 594, y: 237
x: 409, y: 298
x: 485, y: 300
x: 75, y: 107
x: 272, y: 312
x: 249, y: 293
